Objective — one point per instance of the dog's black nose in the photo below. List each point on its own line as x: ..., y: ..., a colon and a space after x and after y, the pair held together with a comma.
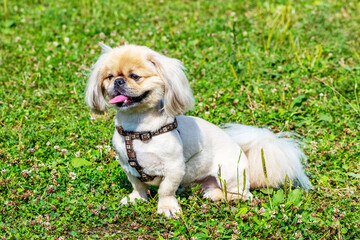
x: 118, y: 82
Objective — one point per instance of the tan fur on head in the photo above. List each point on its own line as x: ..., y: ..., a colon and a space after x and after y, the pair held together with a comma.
x: 161, y: 76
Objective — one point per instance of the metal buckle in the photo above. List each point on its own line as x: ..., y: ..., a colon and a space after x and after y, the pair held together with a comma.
x: 145, y: 136
x: 133, y: 162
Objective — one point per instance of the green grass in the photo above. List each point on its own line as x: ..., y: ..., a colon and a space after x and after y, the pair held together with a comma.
x: 288, y: 65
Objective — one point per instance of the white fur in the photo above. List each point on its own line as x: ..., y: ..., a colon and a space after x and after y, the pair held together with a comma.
x: 178, y: 96
x: 197, y: 151
x: 94, y: 96
x: 282, y: 156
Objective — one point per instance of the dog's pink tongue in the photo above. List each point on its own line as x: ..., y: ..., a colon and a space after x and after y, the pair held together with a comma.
x: 117, y: 99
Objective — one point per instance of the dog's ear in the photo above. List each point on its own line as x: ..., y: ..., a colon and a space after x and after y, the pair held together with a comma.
x: 94, y: 95
x: 178, y: 97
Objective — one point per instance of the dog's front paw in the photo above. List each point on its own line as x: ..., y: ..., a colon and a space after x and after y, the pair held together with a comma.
x: 169, y: 207
x: 132, y: 196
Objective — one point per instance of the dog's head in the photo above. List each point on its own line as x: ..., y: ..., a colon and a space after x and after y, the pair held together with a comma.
x: 136, y: 78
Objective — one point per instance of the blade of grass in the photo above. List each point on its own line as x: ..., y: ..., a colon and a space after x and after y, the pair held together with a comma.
x: 285, y: 185
x: 5, y: 9
x: 232, y: 71
x: 265, y: 174
x: 237, y: 173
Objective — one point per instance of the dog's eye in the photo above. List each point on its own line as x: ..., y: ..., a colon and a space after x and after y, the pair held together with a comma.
x: 134, y: 76
x: 110, y: 76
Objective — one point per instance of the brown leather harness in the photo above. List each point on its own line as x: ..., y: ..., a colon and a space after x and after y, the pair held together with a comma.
x: 130, y: 136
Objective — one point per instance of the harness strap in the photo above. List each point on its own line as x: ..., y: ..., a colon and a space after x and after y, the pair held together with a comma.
x: 130, y: 136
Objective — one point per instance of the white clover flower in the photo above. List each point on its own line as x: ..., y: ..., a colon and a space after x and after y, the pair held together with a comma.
x: 332, y: 151
x: 39, y: 218
x: 298, y: 235
x: 30, y: 150
x: 46, y: 224
x: 102, y: 35
x: 261, y: 211
x: 63, y: 152
x: 113, y: 33
x: 72, y: 175
x: 273, y: 212
x: 234, y: 236
x: 66, y: 39
x: 53, y: 171
x: 95, y: 212
x: 314, y: 145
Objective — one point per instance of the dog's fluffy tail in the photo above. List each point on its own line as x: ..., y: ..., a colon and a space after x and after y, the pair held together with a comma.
x: 282, y: 156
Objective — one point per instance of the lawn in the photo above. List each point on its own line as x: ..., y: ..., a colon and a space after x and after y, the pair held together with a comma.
x: 285, y: 65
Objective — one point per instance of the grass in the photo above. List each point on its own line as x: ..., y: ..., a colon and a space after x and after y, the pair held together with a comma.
x: 288, y: 65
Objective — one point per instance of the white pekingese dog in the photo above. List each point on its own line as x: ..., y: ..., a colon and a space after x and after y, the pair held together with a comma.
x: 157, y: 145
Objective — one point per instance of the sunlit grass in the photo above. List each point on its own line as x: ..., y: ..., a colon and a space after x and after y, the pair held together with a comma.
x: 289, y: 66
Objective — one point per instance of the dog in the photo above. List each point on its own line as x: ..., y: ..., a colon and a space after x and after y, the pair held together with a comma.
x: 158, y: 145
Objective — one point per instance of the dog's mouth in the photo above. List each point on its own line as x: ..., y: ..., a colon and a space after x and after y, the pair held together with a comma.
x: 127, y: 101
